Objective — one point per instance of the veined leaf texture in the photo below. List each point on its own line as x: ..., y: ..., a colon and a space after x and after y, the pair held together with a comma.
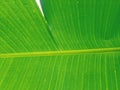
x: 68, y: 45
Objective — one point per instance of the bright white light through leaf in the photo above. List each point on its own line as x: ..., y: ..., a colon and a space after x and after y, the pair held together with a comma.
x: 40, y: 7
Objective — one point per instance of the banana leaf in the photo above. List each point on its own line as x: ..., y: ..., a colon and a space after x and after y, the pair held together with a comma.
x: 60, y: 45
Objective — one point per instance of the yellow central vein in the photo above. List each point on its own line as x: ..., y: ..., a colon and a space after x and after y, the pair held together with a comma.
x: 53, y: 53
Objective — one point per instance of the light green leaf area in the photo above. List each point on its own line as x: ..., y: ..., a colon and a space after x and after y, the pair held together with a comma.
x: 74, y: 46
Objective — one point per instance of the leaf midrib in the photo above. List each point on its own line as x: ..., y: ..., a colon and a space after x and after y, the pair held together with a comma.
x: 62, y: 52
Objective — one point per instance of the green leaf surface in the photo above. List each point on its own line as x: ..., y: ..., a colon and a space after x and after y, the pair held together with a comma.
x: 74, y: 46
x: 81, y: 24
